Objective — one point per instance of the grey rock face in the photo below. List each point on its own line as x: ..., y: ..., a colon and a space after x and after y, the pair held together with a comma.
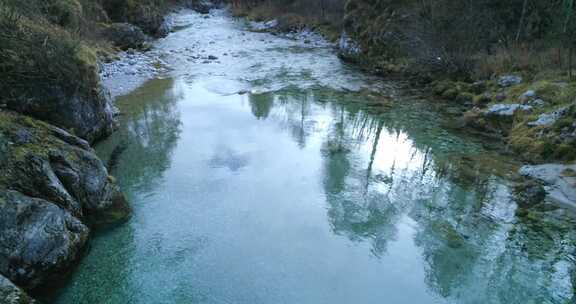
x: 89, y: 115
x: 51, y: 186
x: 125, y: 35
x: 560, y: 187
x: 11, y: 294
x: 548, y: 119
x: 506, y: 110
x: 509, y: 80
x: 42, y: 161
x: 38, y: 240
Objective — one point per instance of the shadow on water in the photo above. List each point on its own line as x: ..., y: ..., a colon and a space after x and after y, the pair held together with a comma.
x: 149, y: 131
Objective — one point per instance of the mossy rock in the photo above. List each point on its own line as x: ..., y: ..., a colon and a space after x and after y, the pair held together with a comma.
x: 43, y: 161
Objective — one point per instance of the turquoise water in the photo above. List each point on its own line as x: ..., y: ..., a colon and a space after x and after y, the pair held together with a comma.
x: 282, y: 176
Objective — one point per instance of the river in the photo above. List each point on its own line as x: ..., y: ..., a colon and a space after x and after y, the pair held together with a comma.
x: 261, y: 169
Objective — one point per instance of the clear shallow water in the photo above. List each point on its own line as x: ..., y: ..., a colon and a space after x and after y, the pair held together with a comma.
x: 308, y: 190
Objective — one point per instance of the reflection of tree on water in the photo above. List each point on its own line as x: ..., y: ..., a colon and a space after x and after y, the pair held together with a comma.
x: 150, y: 128
x: 475, y: 257
x: 261, y: 104
x: 400, y: 163
x: 355, y: 210
x: 293, y: 106
x: 474, y: 251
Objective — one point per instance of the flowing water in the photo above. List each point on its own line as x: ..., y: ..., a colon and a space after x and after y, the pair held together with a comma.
x: 276, y: 174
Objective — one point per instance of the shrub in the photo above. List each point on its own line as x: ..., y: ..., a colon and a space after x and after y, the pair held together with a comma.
x: 36, y: 55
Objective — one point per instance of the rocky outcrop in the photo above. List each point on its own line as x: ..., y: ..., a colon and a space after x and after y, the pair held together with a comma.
x: 125, y: 36
x: 52, y: 188
x: 11, y: 294
x: 46, y: 162
x: 89, y: 115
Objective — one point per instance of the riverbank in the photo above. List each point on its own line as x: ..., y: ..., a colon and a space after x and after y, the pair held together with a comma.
x: 533, y: 116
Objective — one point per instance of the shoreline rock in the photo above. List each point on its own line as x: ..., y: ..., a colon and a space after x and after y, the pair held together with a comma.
x: 52, y: 189
x: 559, y: 184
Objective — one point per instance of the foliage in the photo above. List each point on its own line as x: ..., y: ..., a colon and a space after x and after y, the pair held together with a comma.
x: 35, y: 54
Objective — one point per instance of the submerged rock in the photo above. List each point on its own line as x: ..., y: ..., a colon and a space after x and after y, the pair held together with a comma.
x: 11, y: 294
x: 560, y: 187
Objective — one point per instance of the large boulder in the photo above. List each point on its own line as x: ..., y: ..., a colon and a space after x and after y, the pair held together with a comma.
x: 88, y: 116
x: 11, y: 294
x: 125, y: 35
x: 146, y: 14
x: 38, y: 240
x: 46, y: 162
x: 52, y: 187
